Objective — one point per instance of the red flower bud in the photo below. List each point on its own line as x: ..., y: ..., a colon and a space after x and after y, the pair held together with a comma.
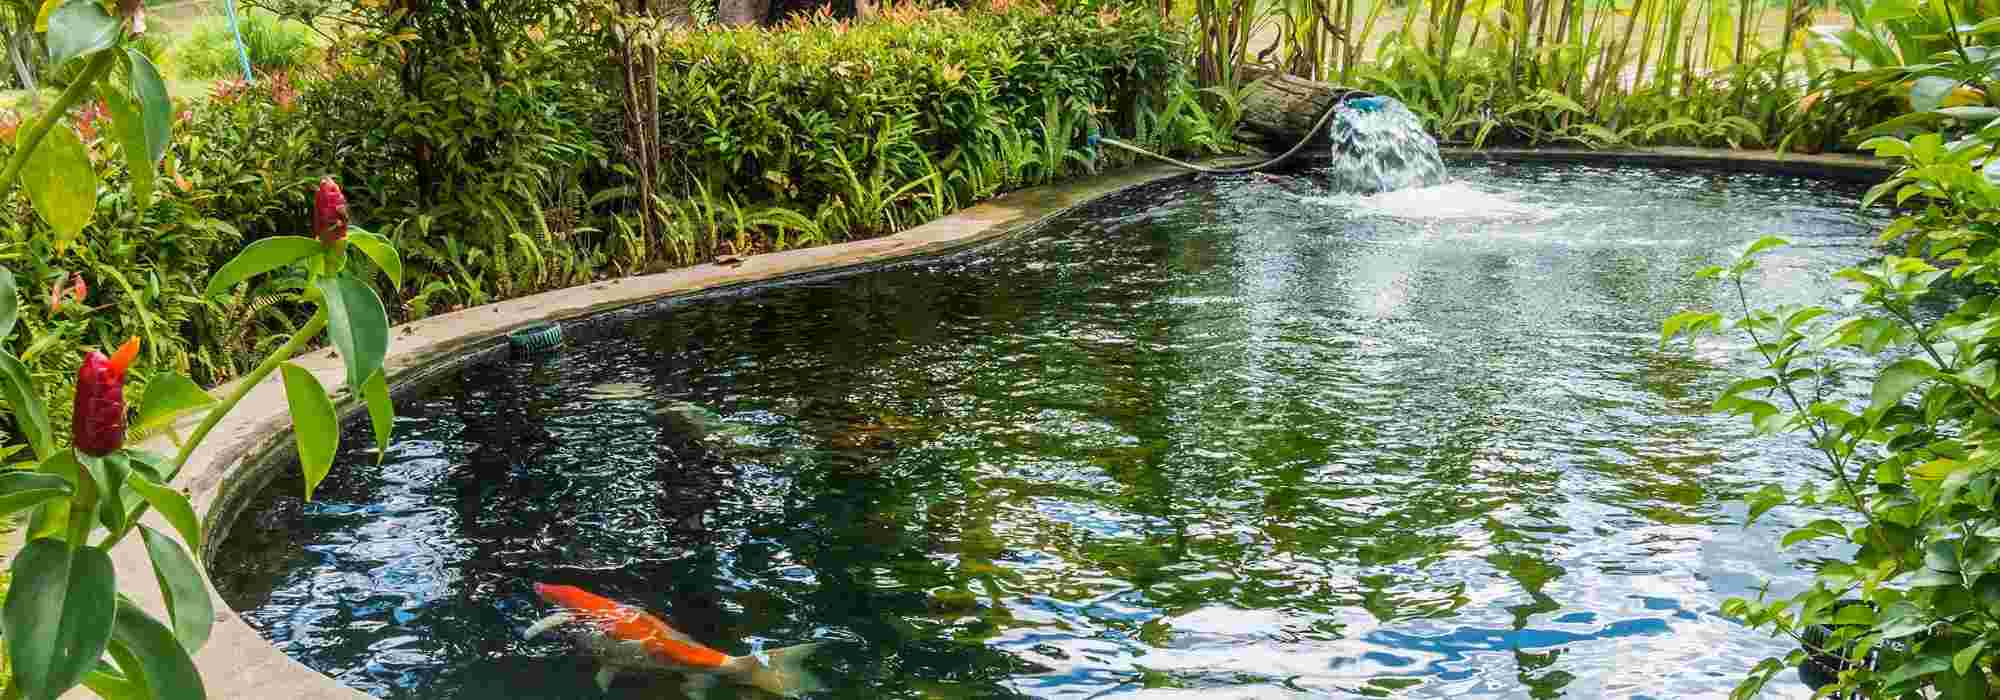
x: 329, y: 213
x: 98, y: 422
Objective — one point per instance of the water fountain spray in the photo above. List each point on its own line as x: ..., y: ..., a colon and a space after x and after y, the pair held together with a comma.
x: 1378, y: 145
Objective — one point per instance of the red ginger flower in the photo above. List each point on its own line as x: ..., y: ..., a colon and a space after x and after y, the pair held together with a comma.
x: 329, y: 213
x: 98, y: 422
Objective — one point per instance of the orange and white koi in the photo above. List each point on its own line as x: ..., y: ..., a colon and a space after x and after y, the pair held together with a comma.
x: 627, y: 639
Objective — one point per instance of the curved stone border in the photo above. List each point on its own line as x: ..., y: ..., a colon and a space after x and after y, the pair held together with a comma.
x: 231, y: 466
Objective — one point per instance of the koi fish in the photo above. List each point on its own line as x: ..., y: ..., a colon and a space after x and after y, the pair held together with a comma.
x: 627, y: 639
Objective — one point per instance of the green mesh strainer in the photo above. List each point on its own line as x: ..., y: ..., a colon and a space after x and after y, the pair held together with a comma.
x: 540, y: 337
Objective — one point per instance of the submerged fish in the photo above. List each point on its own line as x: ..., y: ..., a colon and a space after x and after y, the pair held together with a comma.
x: 617, y: 391
x: 628, y: 639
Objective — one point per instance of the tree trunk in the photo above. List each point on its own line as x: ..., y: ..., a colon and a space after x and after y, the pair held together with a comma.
x: 740, y: 13
x: 640, y: 63
x: 1280, y: 109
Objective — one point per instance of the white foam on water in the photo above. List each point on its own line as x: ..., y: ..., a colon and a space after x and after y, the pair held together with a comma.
x: 1451, y: 201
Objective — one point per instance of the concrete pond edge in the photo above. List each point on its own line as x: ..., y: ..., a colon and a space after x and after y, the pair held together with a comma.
x: 248, y: 448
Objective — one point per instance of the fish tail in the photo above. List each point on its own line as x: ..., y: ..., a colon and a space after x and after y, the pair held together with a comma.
x: 783, y: 673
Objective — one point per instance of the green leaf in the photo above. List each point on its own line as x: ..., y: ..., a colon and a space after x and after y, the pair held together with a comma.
x: 1917, y: 668
x: 25, y: 402
x: 1897, y: 380
x: 79, y: 28
x: 1928, y: 93
x: 171, y: 505
x: 1934, y: 579
x: 1761, y: 502
x: 42, y: 16
x: 111, y: 686
x: 60, y: 182
x: 1963, y: 660
x: 1981, y: 375
x: 1975, y: 115
x: 168, y: 396
x: 163, y: 663
x: 1886, y: 146
x: 58, y: 615
x: 379, y: 250
x: 1943, y: 557
x: 1903, y: 619
x: 1855, y: 615
x: 358, y: 325
x: 156, y: 111
x: 1979, y: 558
x: 180, y: 581
x: 1962, y: 685
x: 1764, y: 244
x: 10, y: 303
x: 262, y: 256
x: 314, y: 424
x: 1812, y: 531
x: 381, y: 411
x: 109, y: 472
x: 21, y: 490
x: 132, y: 137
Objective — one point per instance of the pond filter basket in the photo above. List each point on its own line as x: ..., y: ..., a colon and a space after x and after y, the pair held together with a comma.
x: 541, y: 337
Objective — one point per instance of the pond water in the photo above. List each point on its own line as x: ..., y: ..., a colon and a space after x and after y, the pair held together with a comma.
x: 1229, y: 438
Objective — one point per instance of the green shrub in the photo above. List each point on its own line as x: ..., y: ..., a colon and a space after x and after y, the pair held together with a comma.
x: 775, y: 139
x: 864, y: 129
x: 209, y: 51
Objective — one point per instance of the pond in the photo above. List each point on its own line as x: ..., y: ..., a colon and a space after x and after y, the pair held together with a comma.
x: 1230, y: 437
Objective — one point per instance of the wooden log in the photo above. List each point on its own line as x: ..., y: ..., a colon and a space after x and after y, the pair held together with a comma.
x: 1279, y: 109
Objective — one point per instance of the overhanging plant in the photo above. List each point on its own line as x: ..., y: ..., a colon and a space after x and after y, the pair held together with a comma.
x: 64, y: 623
x: 1909, y: 474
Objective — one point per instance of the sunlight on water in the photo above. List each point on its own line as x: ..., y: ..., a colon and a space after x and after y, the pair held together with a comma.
x: 1206, y: 439
x: 1451, y: 200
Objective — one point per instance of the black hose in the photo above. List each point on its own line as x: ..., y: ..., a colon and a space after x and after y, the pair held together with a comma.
x: 1317, y: 128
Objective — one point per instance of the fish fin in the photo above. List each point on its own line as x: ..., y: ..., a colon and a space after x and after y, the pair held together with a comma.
x: 545, y: 624
x: 697, y: 684
x: 604, y: 676
x: 783, y: 671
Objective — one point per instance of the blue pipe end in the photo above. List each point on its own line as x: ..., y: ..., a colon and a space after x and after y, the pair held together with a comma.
x: 1372, y: 103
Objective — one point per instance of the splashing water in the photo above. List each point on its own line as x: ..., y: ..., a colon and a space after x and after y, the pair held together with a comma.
x: 1380, y: 146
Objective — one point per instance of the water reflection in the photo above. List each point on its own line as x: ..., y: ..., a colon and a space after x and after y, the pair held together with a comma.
x: 1218, y: 437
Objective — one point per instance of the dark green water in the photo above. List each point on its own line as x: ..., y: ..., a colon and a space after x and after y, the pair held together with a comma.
x: 1216, y: 440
